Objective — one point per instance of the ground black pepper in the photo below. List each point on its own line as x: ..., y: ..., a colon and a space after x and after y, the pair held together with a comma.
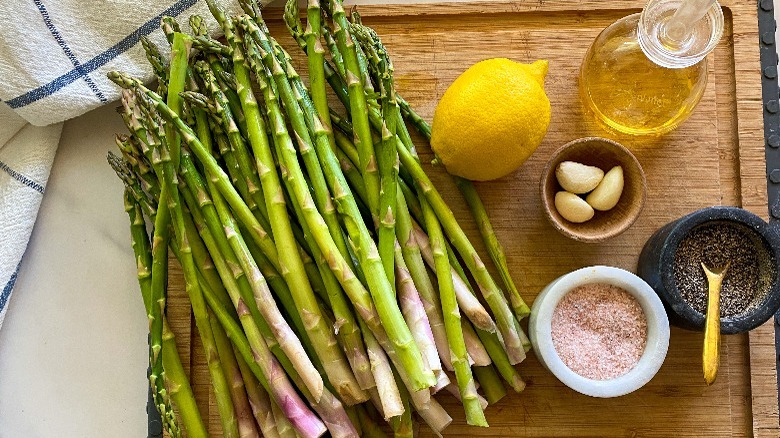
x: 715, y: 244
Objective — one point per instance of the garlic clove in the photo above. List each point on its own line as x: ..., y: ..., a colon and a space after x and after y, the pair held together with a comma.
x: 578, y: 178
x: 607, y: 194
x: 572, y: 207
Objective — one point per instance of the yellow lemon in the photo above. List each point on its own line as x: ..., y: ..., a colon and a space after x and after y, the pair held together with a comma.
x: 491, y: 119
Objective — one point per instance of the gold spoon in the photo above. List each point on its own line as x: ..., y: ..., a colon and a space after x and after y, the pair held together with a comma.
x: 711, y: 352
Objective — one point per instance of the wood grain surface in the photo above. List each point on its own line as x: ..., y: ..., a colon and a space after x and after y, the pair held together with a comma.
x: 715, y: 158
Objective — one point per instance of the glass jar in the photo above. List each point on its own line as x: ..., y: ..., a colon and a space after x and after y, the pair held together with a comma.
x: 642, y: 76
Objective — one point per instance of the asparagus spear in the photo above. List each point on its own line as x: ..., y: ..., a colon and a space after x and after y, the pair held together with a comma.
x: 266, y: 368
x: 143, y: 256
x: 358, y: 108
x: 490, y: 383
x: 387, y: 155
x: 386, y: 388
x: 492, y: 343
x: 219, y: 110
x: 469, y: 192
x: 323, y: 340
x: 287, y: 339
x: 312, y: 38
x: 283, y: 425
x: 198, y: 25
x: 392, y: 320
x: 468, y: 391
x: 244, y: 422
x: 504, y: 317
x: 467, y: 301
x: 193, y: 288
x: 403, y: 425
x: 417, y: 319
x: 161, y: 238
x: 347, y: 327
x: 259, y: 401
x: 159, y: 64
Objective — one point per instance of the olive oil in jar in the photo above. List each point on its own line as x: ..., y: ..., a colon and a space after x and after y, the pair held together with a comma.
x: 636, y: 80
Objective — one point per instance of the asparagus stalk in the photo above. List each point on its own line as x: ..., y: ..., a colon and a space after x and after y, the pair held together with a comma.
x: 493, y: 344
x: 417, y: 319
x: 428, y: 296
x: 335, y: 53
x: 478, y: 355
x: 389, y: 395
x: 179, y: 387
x: 468, y: 391
x: 455, y: 392
x: 192, y: 286
x: 324, y: 342
x: 403, y: 425
x: 387, y: 155
x: 469, y: 192
x: 258, y: 398
x: 311, y: 41
x: 180, y: 50
x: 143, y: 256
x: 283, y: 425
x: 220, y: 111
x: 162, y: 234
x: 346, y: 326
x: 490, y: 383
x: 198, y: 25
x: 504, y: 317
x: 467, y: 301
x: 159, y: 64
x: 494, y: 247
x: 266, y: 368
x: 245, y: 423
x: 286, y: 337
x: 382, y: 292
x: 358, y: 108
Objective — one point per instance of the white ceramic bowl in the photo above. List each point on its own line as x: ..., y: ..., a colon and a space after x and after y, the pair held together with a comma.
x: 540, y: 329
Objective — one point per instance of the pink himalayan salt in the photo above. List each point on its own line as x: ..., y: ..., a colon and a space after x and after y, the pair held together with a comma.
x: 599, y: 331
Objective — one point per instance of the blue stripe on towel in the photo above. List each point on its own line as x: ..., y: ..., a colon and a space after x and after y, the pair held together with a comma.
x: 22, y: 179
x: 99, y: 60
x: 69, y: 53
x: 6, y: 293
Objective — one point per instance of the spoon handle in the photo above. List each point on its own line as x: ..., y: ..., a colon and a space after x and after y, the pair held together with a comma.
x: 689, y: 12
x: 711, y: 352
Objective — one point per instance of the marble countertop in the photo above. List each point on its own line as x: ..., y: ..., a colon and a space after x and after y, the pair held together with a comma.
x: 73, y: 352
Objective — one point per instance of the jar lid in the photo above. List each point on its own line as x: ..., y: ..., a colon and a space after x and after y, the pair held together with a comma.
x: 658, y: 45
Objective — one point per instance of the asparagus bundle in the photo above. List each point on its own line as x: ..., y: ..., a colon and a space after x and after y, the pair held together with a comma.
x: 324, y: 269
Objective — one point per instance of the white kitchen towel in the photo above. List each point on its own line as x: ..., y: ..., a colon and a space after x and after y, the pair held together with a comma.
x: 26, y: 156
x: 54, y: 56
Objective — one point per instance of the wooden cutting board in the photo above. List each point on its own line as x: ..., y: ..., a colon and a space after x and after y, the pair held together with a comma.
x: 715, y: 158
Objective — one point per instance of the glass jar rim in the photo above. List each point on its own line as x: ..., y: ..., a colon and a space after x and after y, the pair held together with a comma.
x: 666, y: 57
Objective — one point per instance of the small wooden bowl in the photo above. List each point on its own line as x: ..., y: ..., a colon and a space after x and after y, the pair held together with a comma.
x: 605, y: 154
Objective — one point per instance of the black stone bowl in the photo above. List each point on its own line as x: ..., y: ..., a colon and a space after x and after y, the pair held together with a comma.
x: 657, y: 260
